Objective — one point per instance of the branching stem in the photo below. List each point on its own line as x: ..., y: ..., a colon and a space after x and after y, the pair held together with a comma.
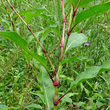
x: 43, y: 49
x: 69, y: 28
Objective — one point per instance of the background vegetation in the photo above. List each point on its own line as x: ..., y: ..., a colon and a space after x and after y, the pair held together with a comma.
x: 21, y: 85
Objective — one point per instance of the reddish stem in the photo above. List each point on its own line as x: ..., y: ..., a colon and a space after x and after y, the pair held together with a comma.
x: 63, y: 95
x: 74, y: 14
x: 64, y: 21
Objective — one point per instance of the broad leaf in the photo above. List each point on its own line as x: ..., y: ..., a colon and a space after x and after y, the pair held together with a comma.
x: 76, y: 39
x: 24, y: 45
x: 40, y: 94
x: 85, y: 2
x: 105, y: 66
x: 91, y: 73
x: 48, y: 88
x: 3, y: 107
x: 95, y: 10
x: 15, y: 38
x: 39, y: 58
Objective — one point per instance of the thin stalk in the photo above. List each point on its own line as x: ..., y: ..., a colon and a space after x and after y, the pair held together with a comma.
x: 71, y: 18
x: 63, y: 34
x: 59, y: 70
x: 68, y: 34
x: 74, y: 14
x: 56, y: 80
x: 64, y: 95
x: 43, y: 49
x: 69, y: 28
x: 12, y: 23
x: 55, y: 108
x: 56, y: 98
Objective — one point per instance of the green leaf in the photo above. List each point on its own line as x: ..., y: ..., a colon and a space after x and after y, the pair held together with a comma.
x: 76, y: 39
x: 90, y: 73
x: 16, y: 38
x: 47, y: 87
x: 33, y: 106
x: 39, y: 58
x: 3, y: 107
x: 30, y: 14
x: 85, y: 2
x: 95, y: 10
x: 65, y: 77
x: 27, y: 56
x: 105, y: 66
x: 24, y: 45
x: 39, y: 93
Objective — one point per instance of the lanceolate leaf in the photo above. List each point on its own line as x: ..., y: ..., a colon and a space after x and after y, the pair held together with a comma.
x: 48, y: 88
x: 24, y: 45
x: 91, y: 73
x: 15, y: 38
x: 76, y: 39
x: 95, y: 10
x: 39, y: 58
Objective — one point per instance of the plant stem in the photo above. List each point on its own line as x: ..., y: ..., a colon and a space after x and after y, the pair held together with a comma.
x: 56, y: 98
x: 64, y: 95
x: 68, y: 34
x: 55, y: 108
x: 69, y: 28
x: 63, y: 34
x: 43, y: 49
x: 12, y: 23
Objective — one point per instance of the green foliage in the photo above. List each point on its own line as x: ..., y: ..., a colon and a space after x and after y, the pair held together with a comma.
x: 23, y: 44
x: 48, y: 88
x: 76, y: 39
x: 3, y: 107
x: 93, y: 11
x: 29, y: 14
x: 24, y: 79
x: 90, y: 73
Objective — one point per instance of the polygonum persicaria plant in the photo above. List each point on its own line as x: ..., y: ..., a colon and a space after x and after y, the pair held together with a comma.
x: 72, y: 40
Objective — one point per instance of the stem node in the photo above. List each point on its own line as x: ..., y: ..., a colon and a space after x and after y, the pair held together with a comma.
x: 44, y: 51
x: 11, y: 7
x: 56, y: 102
x: 54, y: 72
